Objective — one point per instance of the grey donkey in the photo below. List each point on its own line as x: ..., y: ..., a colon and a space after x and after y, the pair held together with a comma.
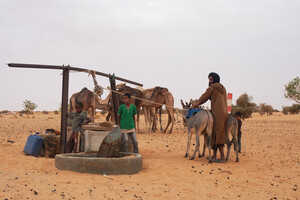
x: 202, y: 121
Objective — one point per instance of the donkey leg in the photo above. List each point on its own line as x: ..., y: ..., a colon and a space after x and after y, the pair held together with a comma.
x: 236, y: 149
x: 197, y: 145
x: 188, y: 143
x: 204, y: 147
x: 209, y: 150
x: 228, y: 144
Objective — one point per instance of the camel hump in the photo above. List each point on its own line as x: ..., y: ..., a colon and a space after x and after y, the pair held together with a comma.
x: 83, y: 89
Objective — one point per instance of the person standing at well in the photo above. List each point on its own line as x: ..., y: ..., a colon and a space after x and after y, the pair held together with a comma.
x: 126, y: 113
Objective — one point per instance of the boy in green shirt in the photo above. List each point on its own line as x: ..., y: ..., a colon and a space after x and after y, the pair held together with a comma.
x: 126, y: 113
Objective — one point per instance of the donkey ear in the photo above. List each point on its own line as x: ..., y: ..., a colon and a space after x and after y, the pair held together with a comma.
x: 181, y: 101
x: 191, y: 102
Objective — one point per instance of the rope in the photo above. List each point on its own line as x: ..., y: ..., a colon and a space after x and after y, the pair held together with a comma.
x: 134, y: 97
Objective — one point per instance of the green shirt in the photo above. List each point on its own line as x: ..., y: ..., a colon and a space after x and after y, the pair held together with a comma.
x: 127, y: 120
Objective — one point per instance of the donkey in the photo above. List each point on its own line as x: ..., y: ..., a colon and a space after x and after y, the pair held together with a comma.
x: 232, y: 129
x: 202, y: 121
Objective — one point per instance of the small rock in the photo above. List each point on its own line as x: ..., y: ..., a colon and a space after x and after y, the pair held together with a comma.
x: 193, y: 167
x: 35, y: 193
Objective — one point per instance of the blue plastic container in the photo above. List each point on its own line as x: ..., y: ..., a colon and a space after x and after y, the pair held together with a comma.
x: 33, y: 145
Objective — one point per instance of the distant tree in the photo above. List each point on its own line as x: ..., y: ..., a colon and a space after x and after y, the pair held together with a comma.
x: 294, y: 109
x: 285, y: 110
x: 29, y: 107
x: 244, y: 105
x: 292, y: 90
x: 264, y: 108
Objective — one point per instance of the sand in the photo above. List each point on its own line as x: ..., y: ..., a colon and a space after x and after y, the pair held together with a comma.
x: 269, y: 166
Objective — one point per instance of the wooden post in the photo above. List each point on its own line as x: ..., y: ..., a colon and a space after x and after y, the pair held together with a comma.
x: 115, y: 102
x: 64, y: 110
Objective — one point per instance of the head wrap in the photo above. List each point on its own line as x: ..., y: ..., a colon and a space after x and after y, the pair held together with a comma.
x: 215, y: 76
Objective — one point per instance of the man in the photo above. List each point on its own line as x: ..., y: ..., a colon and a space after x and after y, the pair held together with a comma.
x: 126, y: 113
x: 216, y: 93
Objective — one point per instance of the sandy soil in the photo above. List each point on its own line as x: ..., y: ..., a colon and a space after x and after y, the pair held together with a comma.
x: 269, y: 166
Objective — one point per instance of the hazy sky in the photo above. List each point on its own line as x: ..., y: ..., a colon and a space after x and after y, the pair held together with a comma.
x: 253, y: 45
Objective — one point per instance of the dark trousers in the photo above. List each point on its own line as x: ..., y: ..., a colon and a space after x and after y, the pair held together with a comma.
x: 240, y: 141
x: 132, y: 137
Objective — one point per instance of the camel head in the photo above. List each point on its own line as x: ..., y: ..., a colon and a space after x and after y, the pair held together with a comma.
x: 118, y: 86
x: 159, y: 91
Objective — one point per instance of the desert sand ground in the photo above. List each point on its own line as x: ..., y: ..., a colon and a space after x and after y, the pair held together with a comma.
x: 269, y: 166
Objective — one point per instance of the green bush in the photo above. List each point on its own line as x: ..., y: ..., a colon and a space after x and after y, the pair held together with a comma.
x: 29, y: 107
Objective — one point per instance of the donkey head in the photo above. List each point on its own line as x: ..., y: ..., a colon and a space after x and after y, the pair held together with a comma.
x: 186, y: 106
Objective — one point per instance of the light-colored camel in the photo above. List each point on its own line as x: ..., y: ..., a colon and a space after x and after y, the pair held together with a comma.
x: 90, y: 102
x: 162, y: 96
x: 148, y: 108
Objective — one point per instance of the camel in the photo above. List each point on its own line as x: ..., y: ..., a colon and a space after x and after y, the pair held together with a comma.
x: 148, y: 108
x: 162, y: 96
x: 90, y: 102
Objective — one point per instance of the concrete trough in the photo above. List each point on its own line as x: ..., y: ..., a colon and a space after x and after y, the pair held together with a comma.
x: 90, y: 163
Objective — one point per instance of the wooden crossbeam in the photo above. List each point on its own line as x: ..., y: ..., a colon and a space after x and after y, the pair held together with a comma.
x: 37, y: 66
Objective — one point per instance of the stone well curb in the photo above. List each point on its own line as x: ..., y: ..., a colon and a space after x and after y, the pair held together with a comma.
x: 89, y: 163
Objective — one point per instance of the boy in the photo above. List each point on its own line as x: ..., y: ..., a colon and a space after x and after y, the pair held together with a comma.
x: 238, y: 116
x: 78, y: 119
x: 126, y: 113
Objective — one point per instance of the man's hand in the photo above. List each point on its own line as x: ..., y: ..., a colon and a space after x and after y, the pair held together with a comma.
x: 195, y: 104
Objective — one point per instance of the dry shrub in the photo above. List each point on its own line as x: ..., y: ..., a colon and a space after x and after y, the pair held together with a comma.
x: 294, y: 109
x: 45, y: 112
x: 56, y: 112
x: 244, y: 105
x: 4, y: 112
x: 264, y: 108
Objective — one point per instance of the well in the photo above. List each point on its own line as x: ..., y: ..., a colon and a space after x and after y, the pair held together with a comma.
x: 90, y: 163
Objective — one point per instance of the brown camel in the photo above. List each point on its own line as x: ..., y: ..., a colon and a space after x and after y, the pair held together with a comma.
x: 162, y: 96
x: 90, y: 102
